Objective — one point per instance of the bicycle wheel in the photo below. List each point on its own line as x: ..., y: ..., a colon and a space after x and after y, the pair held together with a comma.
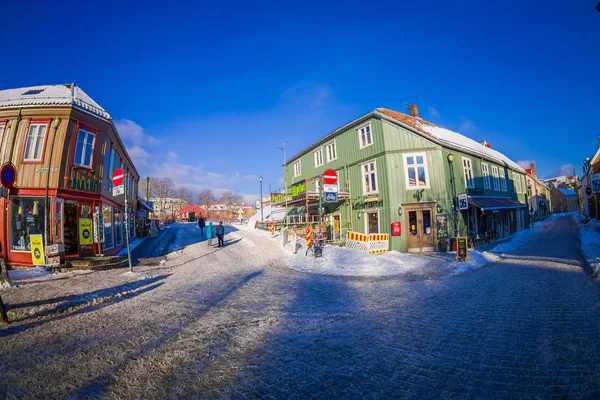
x: 310, y: 251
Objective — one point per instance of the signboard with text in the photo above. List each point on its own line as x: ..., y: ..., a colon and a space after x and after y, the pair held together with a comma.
x: 37, y: 249
x: 596, y: 183
x: 85, y: 231
x: 463, y: 203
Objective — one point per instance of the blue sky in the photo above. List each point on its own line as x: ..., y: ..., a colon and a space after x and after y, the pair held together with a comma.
x: 205, y: 92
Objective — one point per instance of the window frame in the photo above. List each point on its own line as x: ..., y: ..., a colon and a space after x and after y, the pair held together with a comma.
x: 368, y: 175
x: 36, y: 122
x: 485, y: 171
x: 87, y: 131
x: 469, y: 182
x: 406, y: 168
x: 331, y: 145
x: 496, y: 178
x: 360, y: 142
x: 297, y: 165
x: 318, y: 152
x: 502, y: 175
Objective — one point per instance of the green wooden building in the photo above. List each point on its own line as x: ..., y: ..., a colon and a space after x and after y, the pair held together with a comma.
x: 394, y: 167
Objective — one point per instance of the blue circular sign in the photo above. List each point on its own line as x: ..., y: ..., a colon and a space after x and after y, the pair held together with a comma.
x: 8, y: 175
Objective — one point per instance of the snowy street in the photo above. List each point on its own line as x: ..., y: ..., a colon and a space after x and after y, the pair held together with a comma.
x: 245, y: 321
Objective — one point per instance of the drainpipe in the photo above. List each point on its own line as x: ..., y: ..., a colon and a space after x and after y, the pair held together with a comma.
x: 55, y: 125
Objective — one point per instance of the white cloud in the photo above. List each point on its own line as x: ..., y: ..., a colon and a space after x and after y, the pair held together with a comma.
x: 567, y: 169
x: 132, y: 133
x: 467, y: 126
x: 525, y: 163
x: 433, y: 112
x: 139, y: 156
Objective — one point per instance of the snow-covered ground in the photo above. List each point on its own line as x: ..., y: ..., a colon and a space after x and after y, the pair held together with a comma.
x: 590, y: 241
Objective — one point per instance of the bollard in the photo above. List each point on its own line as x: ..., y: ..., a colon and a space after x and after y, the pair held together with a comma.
x: 308, y: 237
x: 272, y: 228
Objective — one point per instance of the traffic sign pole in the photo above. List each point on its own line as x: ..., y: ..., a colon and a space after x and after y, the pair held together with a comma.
x: 127, y: 226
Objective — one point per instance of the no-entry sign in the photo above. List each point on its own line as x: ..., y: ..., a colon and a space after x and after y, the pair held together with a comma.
x: 330, y: 177
x: 118, y: 176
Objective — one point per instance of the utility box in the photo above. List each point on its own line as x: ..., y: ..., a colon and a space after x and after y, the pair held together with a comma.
x: 396, y: 228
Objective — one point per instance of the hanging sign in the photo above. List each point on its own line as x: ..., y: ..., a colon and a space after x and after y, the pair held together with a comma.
x: 596, y: 183
x: 37, y: 249
x: 463, y: 203
x: 85, y: 231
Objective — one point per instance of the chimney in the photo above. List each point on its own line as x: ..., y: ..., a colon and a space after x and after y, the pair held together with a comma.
x: 413, y: 110
x: 532, y: 166
x: 486, y: 144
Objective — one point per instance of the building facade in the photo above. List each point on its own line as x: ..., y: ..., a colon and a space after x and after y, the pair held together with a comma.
x: 395, y: 168
x: 540, y: 198
x: 565, y: 200
x: 63, y: 148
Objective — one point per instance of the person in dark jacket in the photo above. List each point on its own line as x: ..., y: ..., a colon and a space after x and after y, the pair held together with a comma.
x: 201, y: 224
x: 221, y: 234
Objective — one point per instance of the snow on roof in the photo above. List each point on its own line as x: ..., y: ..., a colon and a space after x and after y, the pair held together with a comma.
x: 449, y: 138
x: 51, y: 95
x: 568, y: 192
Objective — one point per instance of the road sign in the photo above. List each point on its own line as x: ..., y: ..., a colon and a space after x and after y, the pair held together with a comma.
x: 8, y: 175
x: 118, y: 177
x: 330, y: 188
x: 117, y: 190
x: 331, y: 197
x: 463, y: 203
x: 596, y: 183
x: 330, y: 177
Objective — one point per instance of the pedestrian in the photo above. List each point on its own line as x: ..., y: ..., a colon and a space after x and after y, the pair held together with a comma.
x: 201, y: 224
x: 221, y: 234
x: 209, y: 233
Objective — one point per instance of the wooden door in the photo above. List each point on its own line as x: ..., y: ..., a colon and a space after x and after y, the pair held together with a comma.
x: 419, y: 223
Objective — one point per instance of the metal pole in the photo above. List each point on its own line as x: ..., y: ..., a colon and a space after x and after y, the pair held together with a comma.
x: 320, y: 201
x: 261, y: 201
x: 127, y: 222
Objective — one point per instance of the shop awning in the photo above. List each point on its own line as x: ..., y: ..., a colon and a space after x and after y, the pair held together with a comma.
x: 495, y: 203
x: 143, y: 204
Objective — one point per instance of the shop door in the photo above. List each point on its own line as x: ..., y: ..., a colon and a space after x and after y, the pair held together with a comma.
x: 334, y: 228
x: 420, y: 230
x: 70, y: 228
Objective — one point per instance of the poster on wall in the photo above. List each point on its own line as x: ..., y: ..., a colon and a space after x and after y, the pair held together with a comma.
x: 85, y: 231
x: 57, y: 212
x: 442, y: 225
x: 37, y: 249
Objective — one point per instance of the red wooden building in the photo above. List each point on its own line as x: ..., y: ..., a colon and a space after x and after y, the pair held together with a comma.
x: 191, y: 213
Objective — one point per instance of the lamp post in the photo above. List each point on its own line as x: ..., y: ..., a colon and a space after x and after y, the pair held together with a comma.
x: 261, y: 200
x: 454, y: 200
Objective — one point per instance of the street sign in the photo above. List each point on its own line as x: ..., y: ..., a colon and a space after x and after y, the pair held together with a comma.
x: 330, y: 177
x: 331, y: 197
x: 8, y: 175
x: 463, y: 203
x: 118, y: 177
x: 117, y: 190
x: 596, y: 183
x: 330, y: 188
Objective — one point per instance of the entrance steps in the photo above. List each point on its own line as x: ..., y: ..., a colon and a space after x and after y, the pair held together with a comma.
x: 96, y: 263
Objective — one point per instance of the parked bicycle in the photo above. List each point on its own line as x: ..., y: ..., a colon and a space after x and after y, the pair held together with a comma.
x: 316, y: 247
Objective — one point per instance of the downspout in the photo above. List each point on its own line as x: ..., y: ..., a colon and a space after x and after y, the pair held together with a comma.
x: 55, y: 125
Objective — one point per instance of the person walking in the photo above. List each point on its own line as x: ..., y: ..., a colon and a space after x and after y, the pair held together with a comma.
x: 221, y: 234
x: 202, y: 225
x: 209, y: 233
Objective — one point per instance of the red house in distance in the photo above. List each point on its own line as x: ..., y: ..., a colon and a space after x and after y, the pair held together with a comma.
x: 191, y: 213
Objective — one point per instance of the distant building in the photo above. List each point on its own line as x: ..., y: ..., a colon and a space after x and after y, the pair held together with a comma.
x: 191, y: 213
x: 565, y: 200
x: 539, y: 195
x: 167, y: 207
x: 568, y: 181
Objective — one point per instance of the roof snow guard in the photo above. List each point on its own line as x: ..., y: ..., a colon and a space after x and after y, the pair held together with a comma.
x: 51, y: 95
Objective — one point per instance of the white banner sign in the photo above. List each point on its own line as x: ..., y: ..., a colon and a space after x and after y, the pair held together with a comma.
x: 330, y: 188
x: 117, y: 190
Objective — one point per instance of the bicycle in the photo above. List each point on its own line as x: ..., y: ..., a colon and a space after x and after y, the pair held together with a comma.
x: 316, y: 247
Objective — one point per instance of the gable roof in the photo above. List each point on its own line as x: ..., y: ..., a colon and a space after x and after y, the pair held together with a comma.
x: 442, y: 136
x: 51, y: 95
x: 568, y: 192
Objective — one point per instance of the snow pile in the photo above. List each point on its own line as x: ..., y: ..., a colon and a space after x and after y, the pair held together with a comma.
x: 477, y: 260
x: 590, y: 242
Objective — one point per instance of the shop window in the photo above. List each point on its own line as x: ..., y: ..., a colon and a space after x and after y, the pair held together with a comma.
x: 372, y: 221
x: 27, y: 218
x: 35, y: 142
x: 107, y: 218
x: 118, y: 223
x: 84, y: 149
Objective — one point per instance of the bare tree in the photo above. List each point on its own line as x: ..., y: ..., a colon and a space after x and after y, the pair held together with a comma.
x: 206, y: 198
x: 231, y: 199
x: 162, y: 189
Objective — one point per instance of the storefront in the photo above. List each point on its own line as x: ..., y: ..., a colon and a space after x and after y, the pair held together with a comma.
x: 494, y: 218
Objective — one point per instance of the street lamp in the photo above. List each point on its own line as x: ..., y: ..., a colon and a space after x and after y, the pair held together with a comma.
x: 261, y: 200
x: 454, y: 200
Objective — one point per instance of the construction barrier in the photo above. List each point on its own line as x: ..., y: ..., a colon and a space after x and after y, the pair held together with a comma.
x: 374, y: 243
x: 308, y: 237
x: 272, y: 228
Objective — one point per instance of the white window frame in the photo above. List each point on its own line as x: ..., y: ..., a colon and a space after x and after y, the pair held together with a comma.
x: 79, y: 163
x: 366, y: 143
x: 318, y: 157
x: 496, y: 178
x: 366, y: 177
x: 331, y: 151
x: 366, y: 219
x: 468, y: 173
x: 416, y: 167
x: 31, y: 146
x: 485, y: 171
x: 517, y: 181
x: 503, y: 179
x: 524, y: 183
x: 297, y: 168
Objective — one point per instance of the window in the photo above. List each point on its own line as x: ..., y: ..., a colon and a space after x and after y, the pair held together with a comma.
x: 331, y: 152
x: 318, y: 157
x: 486, y: 176
x: 503, y: 180
x: 369, y: 173
x: 118, y: 223
x: 372, y: 222
x: 108, y: 227
x: 416, y: 173
x: 495, y: 176
x: 84, y: 149
x: 35, y: 142
x: 524, y: 183
x: 468, y: 170
x: 27, y: 216
x: 297, y: 169
x: 517, y: 180
x: 365, y: 138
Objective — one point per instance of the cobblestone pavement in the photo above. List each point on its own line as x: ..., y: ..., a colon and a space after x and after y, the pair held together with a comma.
x: 241, y: 325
